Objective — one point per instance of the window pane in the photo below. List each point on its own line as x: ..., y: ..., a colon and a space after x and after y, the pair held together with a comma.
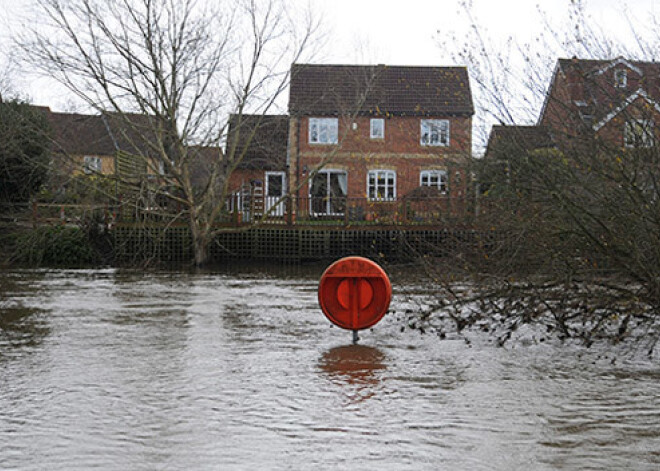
x: 377, y: 128
x: 323, y: 133
x: 274, y: 185
x: 313, y: 131
x: 332, y: 131
x: 425, y: 132
x: 434, y: 134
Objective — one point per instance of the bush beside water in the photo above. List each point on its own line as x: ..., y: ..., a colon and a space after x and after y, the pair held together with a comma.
x: 55, y: 246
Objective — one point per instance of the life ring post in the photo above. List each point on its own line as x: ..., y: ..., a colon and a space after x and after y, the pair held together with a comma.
x: 354, y: 293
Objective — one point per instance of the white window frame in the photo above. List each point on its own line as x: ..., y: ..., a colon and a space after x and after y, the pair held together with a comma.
x: 92, y: 164
x: 441, y: 178
x: 645, y: 139
x: 273, y: 200
x: 373, y: 130
x: 434, y: 127
x: 323, y: 130
x: 374, y: 185
x: 620, y: 78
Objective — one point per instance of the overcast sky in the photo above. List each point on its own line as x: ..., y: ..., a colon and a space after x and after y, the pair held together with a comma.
x: 406, y: 32
x: 395, y: 32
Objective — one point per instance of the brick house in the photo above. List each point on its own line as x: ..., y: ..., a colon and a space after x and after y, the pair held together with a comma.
x: 362, y: 139
x: 591, y: 106
x: 614, y: 101
x: 255, y: 156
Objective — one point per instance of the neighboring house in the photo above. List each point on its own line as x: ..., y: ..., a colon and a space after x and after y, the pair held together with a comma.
x: 362, y: 138
x: 591, y: 105
x: 92, y: 143
x: 104, y: 144
x: 614, y: 101
x: 83, y: 142
x: 255, y: 156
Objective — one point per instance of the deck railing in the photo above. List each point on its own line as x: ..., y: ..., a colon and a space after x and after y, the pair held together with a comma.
x: 288, y: 210
x: 350, y: 211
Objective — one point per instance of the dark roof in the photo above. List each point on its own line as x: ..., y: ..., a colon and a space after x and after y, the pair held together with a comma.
x: 80, y: 134
x: 592, y: 66
x: 266, y: 138
x: 517, y: 138
x: 379, y: 90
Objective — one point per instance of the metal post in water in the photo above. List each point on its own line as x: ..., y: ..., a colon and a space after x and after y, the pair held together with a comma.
x: 355, y: 337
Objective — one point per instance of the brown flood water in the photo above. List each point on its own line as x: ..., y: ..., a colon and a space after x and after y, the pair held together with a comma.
x: 123, y: 370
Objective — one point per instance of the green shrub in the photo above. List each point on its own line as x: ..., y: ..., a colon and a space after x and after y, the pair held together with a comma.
x: 58, y: 246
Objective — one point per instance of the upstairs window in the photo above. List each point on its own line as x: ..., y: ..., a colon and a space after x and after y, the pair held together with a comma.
x: 91, y: 164
x: 638, y: 133
x: 377, y: 128
x: 381, y: 185
x: 323, y: 130
x: 434, y: 178
x: 620, y: 78
x: 435, y: 132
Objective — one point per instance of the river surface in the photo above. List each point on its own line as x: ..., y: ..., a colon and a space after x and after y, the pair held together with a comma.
x: 123, y: 370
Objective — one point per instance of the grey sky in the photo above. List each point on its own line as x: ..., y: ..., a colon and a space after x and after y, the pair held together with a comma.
x: 385, y: 31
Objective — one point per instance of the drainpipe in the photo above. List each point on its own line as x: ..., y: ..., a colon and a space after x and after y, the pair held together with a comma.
x: 297, y: 161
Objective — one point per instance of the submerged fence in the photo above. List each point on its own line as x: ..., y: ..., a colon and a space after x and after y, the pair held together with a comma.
x: 291, y: 244
x: 291, y: 229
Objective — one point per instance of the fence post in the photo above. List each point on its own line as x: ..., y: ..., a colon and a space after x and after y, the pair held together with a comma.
x: 288, y: 206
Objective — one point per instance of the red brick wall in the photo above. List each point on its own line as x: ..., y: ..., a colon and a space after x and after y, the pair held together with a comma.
x: 402, y: 135
x: 613, y: 131
x: 562, y: 115
x: 400, y: 150
x: 242, y: 176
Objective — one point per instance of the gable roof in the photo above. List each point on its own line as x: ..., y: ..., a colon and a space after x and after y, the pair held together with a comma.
x: 101, y: 134
x: 267, y: 136
x: 379, y: 90
x: 600, y: 66
x: 618, y: 61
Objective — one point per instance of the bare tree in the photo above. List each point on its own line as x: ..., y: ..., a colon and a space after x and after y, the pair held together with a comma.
x: 183, y: 67
x: 574, y: 225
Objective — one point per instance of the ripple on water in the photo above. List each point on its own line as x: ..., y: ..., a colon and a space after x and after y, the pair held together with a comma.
x: 126, y: 370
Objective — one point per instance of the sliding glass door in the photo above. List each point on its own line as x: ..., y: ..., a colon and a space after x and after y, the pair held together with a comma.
x: 327, y: 193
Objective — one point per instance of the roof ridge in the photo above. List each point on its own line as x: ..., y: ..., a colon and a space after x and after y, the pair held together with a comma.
x: 387, y: 66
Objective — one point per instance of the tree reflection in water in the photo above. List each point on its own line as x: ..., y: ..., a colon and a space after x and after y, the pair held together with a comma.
x: 357, y: 368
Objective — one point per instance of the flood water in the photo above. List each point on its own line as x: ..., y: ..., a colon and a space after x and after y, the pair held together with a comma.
x: 124, y: 370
